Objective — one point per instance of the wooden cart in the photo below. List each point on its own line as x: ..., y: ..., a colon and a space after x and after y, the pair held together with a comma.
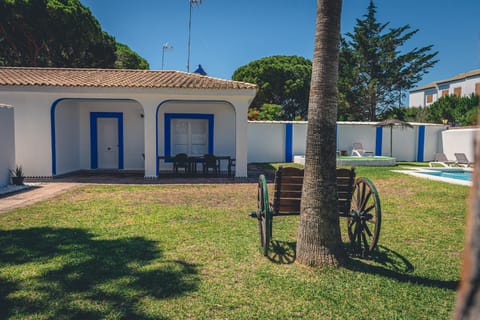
x: 358, y: 202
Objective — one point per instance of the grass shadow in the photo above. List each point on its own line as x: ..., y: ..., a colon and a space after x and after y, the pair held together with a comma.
x: 391, y: 264
x: 395, y: 266
x: 282, y: 252
x: 392, y: 260
x: 68, y: 273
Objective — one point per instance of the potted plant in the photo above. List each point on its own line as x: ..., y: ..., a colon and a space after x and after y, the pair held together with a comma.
x: 17, y: 176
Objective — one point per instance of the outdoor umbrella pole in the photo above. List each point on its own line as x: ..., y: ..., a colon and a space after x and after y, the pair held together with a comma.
x: 391, y: 141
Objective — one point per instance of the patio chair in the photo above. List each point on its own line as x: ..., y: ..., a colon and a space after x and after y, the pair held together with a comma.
x: 359, y: 151
x: 462, y: 160
x: 181, y: 161
x: 211, y: 162
x: 441, y: 159
x: 231, y: 166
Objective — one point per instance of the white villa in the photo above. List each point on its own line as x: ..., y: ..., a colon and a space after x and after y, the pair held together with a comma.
x: 461, y: 85
x: 56, y: 121
x: 67, y: 120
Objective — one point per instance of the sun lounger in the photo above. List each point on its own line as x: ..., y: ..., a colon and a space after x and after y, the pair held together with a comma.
x: 462, y: 160
x: 359, y: 151
x: 441, y: 159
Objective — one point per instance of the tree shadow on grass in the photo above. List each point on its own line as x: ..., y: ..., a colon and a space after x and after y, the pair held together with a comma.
x: 67, y: 273
x: 395, y: 266
x: 384, y: 262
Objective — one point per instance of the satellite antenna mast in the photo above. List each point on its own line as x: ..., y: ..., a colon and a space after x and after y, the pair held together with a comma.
x: 165, y: 46
x: 192, y: 3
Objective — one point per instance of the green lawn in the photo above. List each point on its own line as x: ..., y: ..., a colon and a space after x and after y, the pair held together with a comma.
x: 191, y: 252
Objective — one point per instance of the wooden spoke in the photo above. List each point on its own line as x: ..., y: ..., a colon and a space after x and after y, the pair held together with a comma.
x: 370, y: 208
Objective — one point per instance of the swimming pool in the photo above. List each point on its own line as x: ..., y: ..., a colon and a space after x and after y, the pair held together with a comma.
x: 451, y: 175
x: 458, y: 174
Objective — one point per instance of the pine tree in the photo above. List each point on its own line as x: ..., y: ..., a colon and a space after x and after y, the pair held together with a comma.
x: 375, y: 73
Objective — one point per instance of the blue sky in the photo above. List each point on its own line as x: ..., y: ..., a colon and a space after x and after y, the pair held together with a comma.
x: 227, y: 34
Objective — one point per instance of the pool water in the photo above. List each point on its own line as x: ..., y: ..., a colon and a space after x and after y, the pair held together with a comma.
x: 451, y: 174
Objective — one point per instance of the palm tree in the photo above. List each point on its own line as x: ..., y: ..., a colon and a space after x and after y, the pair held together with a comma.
x: 468, y: 294
x: 318, y: 239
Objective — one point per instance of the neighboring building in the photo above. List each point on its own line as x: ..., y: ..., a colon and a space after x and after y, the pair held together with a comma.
x: 461, y: 85
x: 85, y: 119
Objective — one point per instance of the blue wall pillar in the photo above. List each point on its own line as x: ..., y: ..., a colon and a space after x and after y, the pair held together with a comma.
x: 288, y: 142
x: 378, y: 141
x: 421, y: 143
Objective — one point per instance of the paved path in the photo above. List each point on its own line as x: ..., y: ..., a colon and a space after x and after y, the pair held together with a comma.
x: 39, y: 192
x: 44, y: 190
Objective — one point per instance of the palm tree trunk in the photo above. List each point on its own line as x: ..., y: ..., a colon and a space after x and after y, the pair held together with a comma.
x: 468, y: 295
x: 318, y: 240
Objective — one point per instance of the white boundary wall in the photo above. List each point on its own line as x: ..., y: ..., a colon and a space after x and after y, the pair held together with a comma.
x: 459, y: 141
x: 279, y: 141
x: 266, y: 141
x: 7, y: 143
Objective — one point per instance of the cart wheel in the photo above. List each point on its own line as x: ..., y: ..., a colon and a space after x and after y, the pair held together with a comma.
x: 263, y: 215
x: 365, y: 217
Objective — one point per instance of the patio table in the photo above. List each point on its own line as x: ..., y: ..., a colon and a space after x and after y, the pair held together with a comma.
x: 194, y: 160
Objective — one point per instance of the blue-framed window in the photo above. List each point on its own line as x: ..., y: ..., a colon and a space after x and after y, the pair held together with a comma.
x: 94, y: 136
x: 190, y: 133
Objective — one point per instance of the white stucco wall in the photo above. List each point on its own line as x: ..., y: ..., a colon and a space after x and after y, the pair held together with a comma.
x: 7, y: 143
x: 416, y: 99
x: 266, y: 140
x: 32, y: 131
x: 349, y: 132
x: 433, y: 141
x: 459, y: 141
x: 299, y: 138
x: 468, y: 86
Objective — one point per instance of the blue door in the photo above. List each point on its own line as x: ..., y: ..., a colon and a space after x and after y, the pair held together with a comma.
x: 106, y: 140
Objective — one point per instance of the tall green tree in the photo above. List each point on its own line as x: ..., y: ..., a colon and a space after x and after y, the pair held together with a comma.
x: 126, y: 58
x: 406, y: 114
x: 282, y: 80
x: 351, y: 99
x: 319, y: 241
x: 456, y: 110
x: 54, y: 33
x: 375, y: 70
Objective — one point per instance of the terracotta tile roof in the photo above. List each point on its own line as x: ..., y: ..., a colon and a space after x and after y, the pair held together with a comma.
x: 113, y: 78
x: 461, y: 76
x: 428, y: 86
